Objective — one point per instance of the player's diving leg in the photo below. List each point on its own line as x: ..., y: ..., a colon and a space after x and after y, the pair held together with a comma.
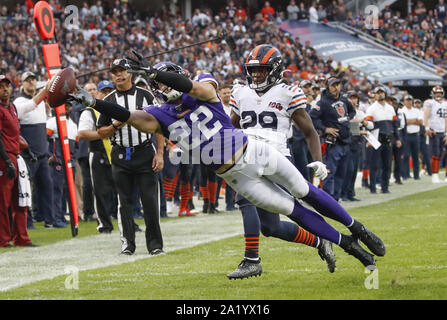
x: 247, y: 178
x: 286, y: 175
x: 273, y: 226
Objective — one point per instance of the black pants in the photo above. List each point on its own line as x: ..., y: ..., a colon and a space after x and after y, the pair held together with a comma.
x: 87, y: 187
x: 127, y: 174
x: 103, y: 189
x: 300, y: 155
x: 380, y: 159
x: 411, y: 150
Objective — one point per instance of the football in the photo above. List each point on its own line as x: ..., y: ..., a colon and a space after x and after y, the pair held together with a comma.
x: 62, y: 84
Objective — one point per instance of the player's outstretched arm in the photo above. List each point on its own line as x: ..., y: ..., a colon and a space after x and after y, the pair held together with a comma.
x: 204, y: 91
x: 139, y: 119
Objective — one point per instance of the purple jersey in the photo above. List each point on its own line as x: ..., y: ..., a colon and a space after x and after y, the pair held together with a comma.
x: 202, y: 130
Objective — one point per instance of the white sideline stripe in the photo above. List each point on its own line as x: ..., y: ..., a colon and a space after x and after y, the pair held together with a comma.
x: 29, y: 265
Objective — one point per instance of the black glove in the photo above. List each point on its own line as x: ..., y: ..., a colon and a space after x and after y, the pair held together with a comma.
x: 83, y: 97
x: 140, y: 65
x: 11, y: 170
x: 29, y: 154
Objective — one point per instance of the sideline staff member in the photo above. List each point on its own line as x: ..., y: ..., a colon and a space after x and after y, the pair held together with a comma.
x: 9, y: 192
x: 134, y: 161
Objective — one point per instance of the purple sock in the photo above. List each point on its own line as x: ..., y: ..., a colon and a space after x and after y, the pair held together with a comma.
x: 314, y: 223
x: 327, y: 206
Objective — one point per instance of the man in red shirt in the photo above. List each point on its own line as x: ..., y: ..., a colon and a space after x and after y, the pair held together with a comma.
x: 9, y: 149
x: 268, y: 13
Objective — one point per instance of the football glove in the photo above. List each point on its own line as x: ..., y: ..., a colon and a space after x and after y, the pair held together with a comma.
x: 83, y: 97
x: 140, y: 65
x: 319, y: 168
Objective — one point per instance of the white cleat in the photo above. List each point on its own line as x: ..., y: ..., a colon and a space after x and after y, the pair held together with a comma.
x: 169, y: 207
x: 435, y: 178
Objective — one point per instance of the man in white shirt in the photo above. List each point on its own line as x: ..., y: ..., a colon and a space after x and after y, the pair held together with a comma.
x: 57, y: 165
x: 313, y: 13
x: 382, y: 116
x: 33, y: 117
x: 414, y: 119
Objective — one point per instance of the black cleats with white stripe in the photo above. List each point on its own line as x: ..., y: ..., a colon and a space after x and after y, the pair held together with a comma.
x: 354, y: 248
x: 247, y: 268
x: 327, y: 254
x: 373, y: 242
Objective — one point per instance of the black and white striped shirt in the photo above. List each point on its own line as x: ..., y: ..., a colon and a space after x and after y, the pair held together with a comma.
x: 135, y: 98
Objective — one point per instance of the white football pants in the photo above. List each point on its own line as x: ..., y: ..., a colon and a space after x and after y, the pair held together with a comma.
x: 260, y: 172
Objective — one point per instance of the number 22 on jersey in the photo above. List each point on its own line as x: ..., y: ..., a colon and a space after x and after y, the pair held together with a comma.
x: 180, y: 131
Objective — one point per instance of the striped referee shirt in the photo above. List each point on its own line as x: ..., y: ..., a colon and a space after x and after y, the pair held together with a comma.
x: 135, y: 98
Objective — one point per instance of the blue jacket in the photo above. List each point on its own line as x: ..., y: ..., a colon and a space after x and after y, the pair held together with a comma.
x: 333, y: 113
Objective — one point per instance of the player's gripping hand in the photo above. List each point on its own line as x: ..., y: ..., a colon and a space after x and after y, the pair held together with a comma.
x: 83, y: 97
x: 11, y: 170
x: 140, y: 65
x: 319, y: 168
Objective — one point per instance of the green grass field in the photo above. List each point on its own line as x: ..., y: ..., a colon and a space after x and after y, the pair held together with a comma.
x: 415, y: 266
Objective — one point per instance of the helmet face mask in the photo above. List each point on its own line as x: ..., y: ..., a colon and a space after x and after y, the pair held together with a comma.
x: 165, y: 93
x: 437, y: 93
x: 264, y: 59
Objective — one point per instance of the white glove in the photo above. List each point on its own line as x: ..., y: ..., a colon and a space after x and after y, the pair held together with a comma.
x: 319, y: 168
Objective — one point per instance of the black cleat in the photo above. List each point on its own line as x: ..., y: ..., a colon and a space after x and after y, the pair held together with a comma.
x: 156, y: 252
x: 246, y: 269
x: 206, y: 205
x: 213, y: 208
x: 354, y: 248
x: 127, y: 252
x: 373, y: 242
x: 325, y: 252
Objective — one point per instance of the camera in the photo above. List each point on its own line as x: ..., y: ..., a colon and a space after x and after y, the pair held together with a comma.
x: 330, y: 139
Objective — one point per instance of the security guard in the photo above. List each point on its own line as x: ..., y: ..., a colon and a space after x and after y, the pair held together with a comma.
x: 134, y: 161
x: 331, y: 115
x: 381, y: 115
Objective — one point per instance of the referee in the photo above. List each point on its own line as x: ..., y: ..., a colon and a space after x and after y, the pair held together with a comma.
x: 135, y: 161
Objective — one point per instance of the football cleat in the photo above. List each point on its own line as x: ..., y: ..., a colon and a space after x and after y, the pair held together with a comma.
x: 373, y: 242
x: 246, y: 269
x: 213, y: 208
x: 186, y: 213
x: 354, y: 249
x: 325, y: 252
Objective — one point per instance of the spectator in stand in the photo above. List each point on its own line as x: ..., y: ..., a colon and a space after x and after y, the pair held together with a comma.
x: 313, y: 14
x: 230, y: 10
x: 304, y: 13
x: 420, y: 10
x: 241, y: 14
x: 441, y: 10
x: 292, y: 10
x: 322, y: 14
x: 268, y: 13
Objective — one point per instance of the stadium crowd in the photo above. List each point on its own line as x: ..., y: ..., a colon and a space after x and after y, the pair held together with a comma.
x: 106, y: 32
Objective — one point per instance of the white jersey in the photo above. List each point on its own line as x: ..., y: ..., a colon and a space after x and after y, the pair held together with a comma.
x: 268, y: 116
x: 72, y: 130
x: 438, y: 113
